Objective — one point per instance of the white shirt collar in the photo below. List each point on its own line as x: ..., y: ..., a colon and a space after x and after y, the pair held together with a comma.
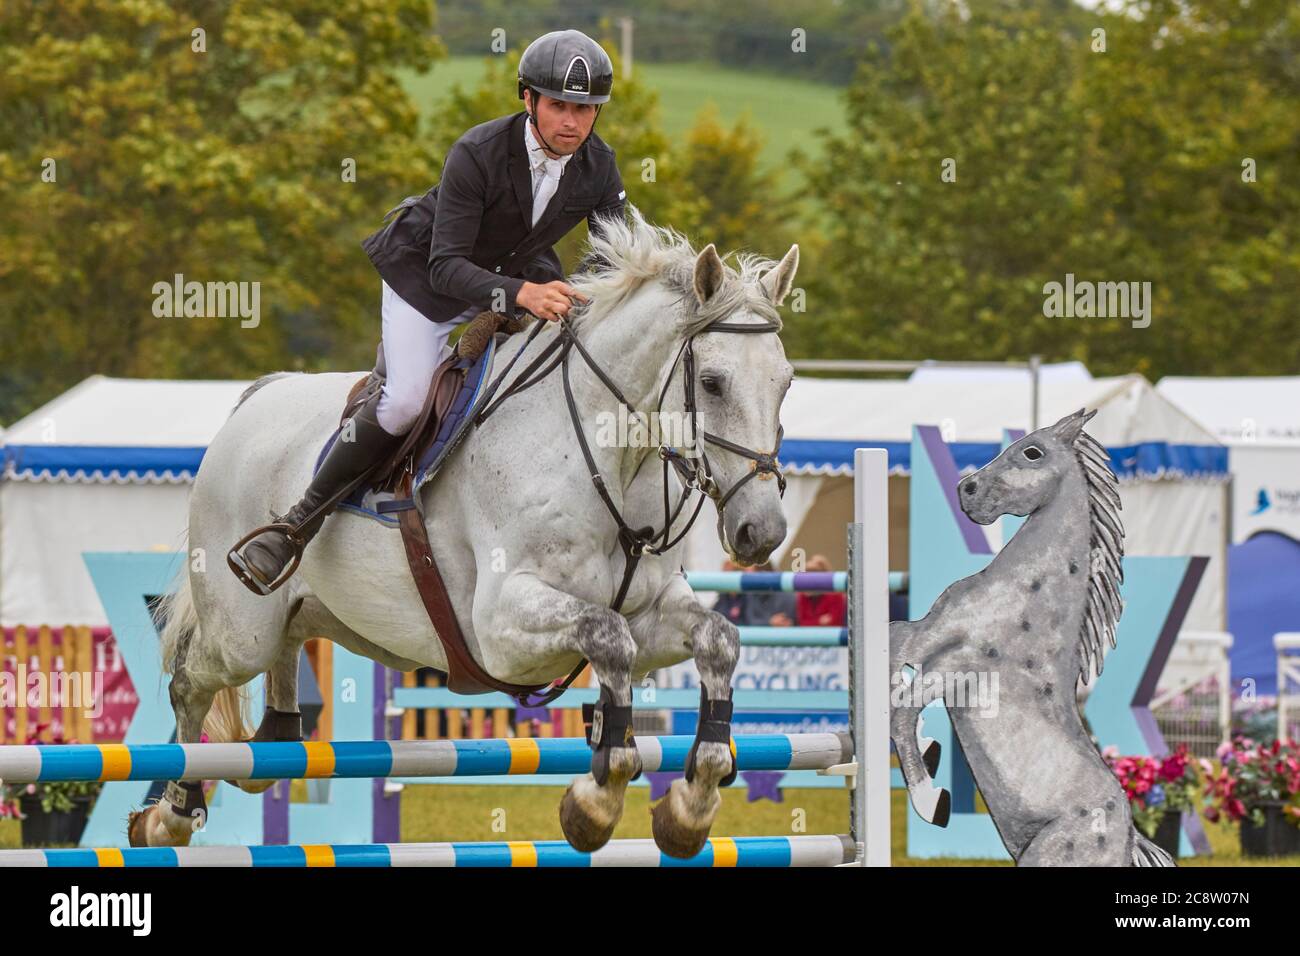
x: 537, y: 158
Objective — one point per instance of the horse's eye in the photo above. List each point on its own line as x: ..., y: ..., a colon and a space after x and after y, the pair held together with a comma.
x: 711, y: 384
x: 1033, y: 452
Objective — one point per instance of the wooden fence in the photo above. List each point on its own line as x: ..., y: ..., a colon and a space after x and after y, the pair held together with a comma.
x: 43, y: 667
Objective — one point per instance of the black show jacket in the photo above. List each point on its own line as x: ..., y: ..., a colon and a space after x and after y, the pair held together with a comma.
x: 472, y: 233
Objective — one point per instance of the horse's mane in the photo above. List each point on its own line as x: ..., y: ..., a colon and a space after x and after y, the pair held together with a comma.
x: 623, y: 253
x: 1106, y: 548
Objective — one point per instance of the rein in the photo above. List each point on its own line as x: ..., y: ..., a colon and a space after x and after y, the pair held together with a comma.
x: 636, y: 542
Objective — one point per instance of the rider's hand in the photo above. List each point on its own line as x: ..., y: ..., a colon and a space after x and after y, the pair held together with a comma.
x: 551, y: 301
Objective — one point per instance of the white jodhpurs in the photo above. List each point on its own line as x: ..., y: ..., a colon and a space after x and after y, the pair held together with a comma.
x: 413, y: 347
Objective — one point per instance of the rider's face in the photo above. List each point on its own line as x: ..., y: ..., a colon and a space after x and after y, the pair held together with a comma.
x: 564, y: 125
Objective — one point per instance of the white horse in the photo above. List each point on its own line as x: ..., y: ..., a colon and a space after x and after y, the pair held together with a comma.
x: 529, y: 551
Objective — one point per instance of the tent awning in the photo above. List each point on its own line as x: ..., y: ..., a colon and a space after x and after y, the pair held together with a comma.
x: 1145, y: 461
x: 119, y: 430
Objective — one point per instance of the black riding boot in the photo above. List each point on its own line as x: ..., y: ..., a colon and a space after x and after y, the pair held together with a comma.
x: 261, y: 563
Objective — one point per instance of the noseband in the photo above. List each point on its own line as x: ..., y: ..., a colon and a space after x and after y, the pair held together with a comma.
x: 702, y: 477
x: 636, y: 542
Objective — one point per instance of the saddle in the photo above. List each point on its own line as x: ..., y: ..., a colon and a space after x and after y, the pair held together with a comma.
x: 455, y: 390
x: 452, y: 390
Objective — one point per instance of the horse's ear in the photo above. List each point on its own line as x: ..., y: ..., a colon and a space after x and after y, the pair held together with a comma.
x: 777, y: 281
x: 709, y: 274
x: 1069, y: 427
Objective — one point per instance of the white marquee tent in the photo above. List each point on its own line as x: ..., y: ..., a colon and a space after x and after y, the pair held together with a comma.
x: 1259, y: 420
x: 106, y: 466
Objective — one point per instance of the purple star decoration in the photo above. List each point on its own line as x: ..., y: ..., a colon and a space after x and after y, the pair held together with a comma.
x: 764, y: 785
x: 660, y: 782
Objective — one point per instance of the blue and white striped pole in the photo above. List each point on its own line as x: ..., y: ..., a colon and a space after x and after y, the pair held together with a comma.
x: 391, y: 758
x: 718, y: 852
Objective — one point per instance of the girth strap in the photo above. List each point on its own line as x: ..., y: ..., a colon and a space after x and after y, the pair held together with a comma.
x: 464, y: 675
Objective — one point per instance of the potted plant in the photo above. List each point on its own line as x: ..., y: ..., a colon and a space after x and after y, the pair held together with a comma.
x: 52, y: 813
x: 1258, y: 786
x: 1160, y: 790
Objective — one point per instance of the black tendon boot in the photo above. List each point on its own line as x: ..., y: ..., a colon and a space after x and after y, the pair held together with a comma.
x: 261, y: 558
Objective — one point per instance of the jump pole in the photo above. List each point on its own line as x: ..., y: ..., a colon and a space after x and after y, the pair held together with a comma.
x: 718, y: 852
x: 869, y: 652
x: 315, y: 760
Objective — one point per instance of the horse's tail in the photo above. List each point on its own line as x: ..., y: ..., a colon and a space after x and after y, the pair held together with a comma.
x: 176, y: 608
x: 258, y: 385
x: 225, y: 721
x: 1146, y: 853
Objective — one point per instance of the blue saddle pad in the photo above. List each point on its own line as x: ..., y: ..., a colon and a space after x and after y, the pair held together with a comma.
x: 453, y: 427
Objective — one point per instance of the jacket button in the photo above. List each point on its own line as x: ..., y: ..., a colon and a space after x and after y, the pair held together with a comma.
x: 498, y: 269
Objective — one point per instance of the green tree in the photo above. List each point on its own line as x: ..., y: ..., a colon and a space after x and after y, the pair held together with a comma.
x: 719, y: 193
x: 1117, y: 165
x: 1188, y: 103
x: 942, y: 203
x: 207, y: 139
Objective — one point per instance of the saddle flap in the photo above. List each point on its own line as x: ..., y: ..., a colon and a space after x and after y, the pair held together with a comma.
x: 455, y: 389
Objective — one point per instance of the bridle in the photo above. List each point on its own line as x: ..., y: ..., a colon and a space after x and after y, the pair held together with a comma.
x: 637, y: 542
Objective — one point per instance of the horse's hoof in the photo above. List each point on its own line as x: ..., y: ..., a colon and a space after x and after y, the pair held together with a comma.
x: 673, y: 832
x: 584, y: 833
x: 931, y: 757
x: 252, y: 786
x: 158, y: 825
x: 932, y: 804
x: 942, y: 809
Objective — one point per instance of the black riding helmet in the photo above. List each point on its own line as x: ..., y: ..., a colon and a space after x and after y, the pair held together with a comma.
x: 566, y: 65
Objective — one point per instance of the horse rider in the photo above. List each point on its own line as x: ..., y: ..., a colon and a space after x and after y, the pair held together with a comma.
x: 481, y: 239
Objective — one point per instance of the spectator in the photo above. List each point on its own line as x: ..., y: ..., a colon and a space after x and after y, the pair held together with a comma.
x: 770, y: 608
x: 731, y: 606
x: 821, y: 610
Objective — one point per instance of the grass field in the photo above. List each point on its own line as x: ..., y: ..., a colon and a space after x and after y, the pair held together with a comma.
x: 486, y: 813
x: 786, y: 111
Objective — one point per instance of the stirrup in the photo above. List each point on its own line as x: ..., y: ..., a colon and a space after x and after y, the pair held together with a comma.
x: 248, y: 576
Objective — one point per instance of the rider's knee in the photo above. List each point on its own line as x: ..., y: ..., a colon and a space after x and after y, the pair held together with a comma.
x: 398, y: 410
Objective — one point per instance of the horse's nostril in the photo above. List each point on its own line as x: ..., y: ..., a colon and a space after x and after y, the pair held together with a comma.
x: 745, y: 538
x: 968, y: 488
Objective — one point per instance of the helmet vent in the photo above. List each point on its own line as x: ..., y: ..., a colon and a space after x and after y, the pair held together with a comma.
x: 578, y: 78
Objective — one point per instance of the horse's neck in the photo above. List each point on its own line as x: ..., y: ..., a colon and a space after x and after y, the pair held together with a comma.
x: 1056, y: 538
x: 1057, y: 535
x: 632, y: 347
